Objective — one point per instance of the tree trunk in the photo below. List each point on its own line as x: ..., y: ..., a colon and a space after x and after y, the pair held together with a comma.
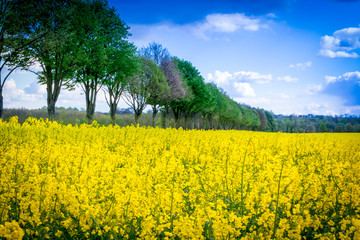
x: 176, y: 118
x: 1, y: 105
x: 186, y: 121
x: 50, y: 101
x: 193, y: 121
x: 155, y: 111
x: 137, y: 116
x: 163, y: 118
x: 51, y: 110
x: 90, y: 113
x: 90, y: 94
x: 113, y: 107
x: 210, y: 120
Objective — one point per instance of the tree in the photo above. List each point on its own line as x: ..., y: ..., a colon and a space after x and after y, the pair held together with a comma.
x: 271, y: 124
x: 54, y: 50
x: 140, y: 86
x: 323, y: 127
x: 197, y: 94
x: 156, y: 52
x: 100, y: 31
x: 209, y: 109
x: 122, y: 64
x: 177, y: 90
x: 263, y: 120
x: 159, y: 88
x: 16, y: 20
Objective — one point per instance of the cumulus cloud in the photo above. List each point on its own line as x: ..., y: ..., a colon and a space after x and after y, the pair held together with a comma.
x: 337, y: 54
x: 19, y: 98
x: 238, y: 83
x: 35, y: 88
x: 301, y: 66
x: 288, y: 79
x: 225, y: 23
x: 349, y: 76
x: 225, y: 77
x: 344, y: 43
x: 244, y: 89
x: 209, y: 28
x: 346, y: 86
x: 320, y: 109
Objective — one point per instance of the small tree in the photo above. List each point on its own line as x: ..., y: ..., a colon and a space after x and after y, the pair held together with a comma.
x: 158, y: 90
x: 123, y: 63
x: 176, y: 87
x: 323, y: 127
x: 140, y: 86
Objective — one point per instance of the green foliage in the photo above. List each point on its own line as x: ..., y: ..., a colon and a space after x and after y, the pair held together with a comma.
x: 311, y: 123
x: 145, y: 87
x: 103, y: 55
x: 323, y: 127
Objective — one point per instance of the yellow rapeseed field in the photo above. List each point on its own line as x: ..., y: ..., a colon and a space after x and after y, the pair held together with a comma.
x: 88, y: 181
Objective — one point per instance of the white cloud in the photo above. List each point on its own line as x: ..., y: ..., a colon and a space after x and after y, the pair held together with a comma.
x: 225, y: 23
x: 337, y: 54
x: 320, y: 109
x: 348, y: 32
x: 312, y: 89
x: 18, y: 98
x: 253, y: 77
x: 301, y: 66
x: 220, y: 77
x: 35, y: 88
x: 244, y: 89
x: 349, y: 76
x: 33, y: 96
x: 288, y: 79
x: 342, y: 44
x: 345, y: 77
x: 213, y: 26
x: 242, y: 76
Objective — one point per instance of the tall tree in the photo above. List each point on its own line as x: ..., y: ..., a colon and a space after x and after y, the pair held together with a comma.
x: 54, y: 51
x: 99, y: 28
x: 17, y: 17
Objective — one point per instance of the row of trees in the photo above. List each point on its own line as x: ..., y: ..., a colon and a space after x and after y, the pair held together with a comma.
x: 75, y: 43
x: 315, y: 123
x: 85, y: 43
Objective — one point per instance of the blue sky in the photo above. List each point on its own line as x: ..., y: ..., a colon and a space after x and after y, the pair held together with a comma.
x: 290, y: 57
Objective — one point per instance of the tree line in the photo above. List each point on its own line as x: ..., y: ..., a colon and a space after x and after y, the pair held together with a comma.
x: 85, y: 43
x: 317, y: 123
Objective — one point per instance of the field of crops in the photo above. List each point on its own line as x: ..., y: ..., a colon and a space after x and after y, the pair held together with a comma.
x: 97, y: 182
